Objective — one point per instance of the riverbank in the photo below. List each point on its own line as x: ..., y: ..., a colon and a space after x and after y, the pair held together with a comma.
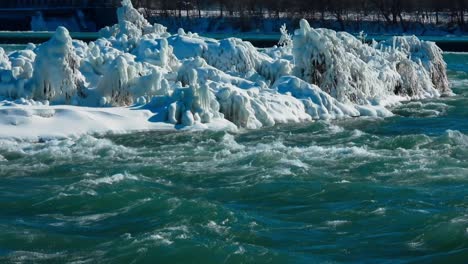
x: 14, y: 40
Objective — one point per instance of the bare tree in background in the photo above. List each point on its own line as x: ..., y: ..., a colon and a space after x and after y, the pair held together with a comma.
x: 392, y: 11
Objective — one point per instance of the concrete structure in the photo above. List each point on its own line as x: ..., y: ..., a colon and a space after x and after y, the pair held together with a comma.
x: 58, y: 3
x: 46, y: 15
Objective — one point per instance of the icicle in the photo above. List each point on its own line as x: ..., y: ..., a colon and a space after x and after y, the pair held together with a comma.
x: 204, y: 97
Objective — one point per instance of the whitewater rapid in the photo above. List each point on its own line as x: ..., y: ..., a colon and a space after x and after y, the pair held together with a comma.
x: 299, y: 193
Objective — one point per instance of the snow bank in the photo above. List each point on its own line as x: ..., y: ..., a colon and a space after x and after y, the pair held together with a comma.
x: 185, y: 80
x: 28, y: 120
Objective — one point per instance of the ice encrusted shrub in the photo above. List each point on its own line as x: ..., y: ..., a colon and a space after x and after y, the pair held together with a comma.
x: 423, y: 53
x: 127, y: 13
x: 125, y: 82
x: 130, y: 23
x: 4, y: 60
x: 188, y: 104
x: 352, y: 71
x: 16, y: 69
x: 131, y: 26
x: 244, y: 60
x: 286, y: 38
x: 156, y: 51
x: 56, y: 75
x: 232, y: 56
x: 341, y: 65
x: 114, y: 86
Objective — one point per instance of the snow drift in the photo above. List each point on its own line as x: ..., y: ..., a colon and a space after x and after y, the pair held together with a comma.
x: 185, y: 79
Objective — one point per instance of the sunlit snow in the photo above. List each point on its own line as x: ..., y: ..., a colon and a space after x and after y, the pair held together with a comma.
x: 137, y: 76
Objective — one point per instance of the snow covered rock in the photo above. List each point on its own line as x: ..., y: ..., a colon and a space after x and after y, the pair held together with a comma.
x: 317, y: 103
x: 186, y: 80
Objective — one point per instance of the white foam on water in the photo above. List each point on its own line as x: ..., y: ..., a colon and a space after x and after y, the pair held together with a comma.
x: 356, y: 133
x: 335, y: 129
x: 111, y: 179
x: 424, y: 108
x: 457, y: 137
x: 160, y: 239
x: 379, y: 211
x: 337, y: 223
x: 459, y: 82
x: 343, y: 182
x: 240, y: 251
x: 85, y: 146
x: 85, y: 219
x: 217, y: 228
x: 294, y: 163
x: 28, y: 256
x: 164, y: 236
x: 416, y: 245
x: 230, y: 143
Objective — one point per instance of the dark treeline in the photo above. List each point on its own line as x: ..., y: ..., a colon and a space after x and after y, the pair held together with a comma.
x: 389, y: 11
x: 401, y: 13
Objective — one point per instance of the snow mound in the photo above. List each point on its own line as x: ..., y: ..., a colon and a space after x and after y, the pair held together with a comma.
x: 186, y: 80
x: 352, y: 71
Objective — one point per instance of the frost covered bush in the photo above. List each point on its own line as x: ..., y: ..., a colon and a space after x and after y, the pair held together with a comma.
x: 352, y: 71
x: 341, y: 65
x: 186, y: 79
x: 56, y: 74
x: 286, y: 38
x: 425, y: 54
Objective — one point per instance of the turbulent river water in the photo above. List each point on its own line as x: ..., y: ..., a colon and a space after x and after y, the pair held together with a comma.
x: 363, y: 190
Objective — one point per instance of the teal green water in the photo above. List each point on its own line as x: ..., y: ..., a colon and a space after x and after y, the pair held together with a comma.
x: 391, y: 190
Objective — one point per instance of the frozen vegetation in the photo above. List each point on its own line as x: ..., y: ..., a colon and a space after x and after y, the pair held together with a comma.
x: 138, y: 76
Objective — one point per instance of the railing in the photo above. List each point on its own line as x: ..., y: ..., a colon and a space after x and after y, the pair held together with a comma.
x: 44, y: 4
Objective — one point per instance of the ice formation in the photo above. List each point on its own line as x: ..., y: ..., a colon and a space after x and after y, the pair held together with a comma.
x: 185, y: 79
